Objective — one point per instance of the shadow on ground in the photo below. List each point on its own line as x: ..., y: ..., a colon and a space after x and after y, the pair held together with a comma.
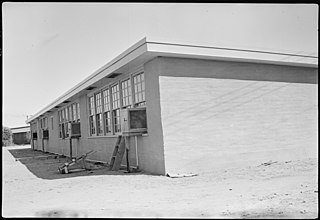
x: 61, y: 214
x: 45, y: 165
x: 270, y: 213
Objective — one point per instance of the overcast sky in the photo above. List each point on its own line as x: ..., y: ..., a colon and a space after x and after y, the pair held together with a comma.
x: 50, y: 47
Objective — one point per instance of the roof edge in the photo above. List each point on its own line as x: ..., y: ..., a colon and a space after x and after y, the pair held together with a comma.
x: 62, y: 98
x: 162, y: 48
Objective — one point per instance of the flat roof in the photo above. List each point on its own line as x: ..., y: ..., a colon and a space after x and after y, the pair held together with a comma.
x: 20, y: 129
x: 145, y: 50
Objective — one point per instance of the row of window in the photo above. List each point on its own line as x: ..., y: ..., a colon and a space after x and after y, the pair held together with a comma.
x: 104, y: 108
x: 43, y: 123
x: 105, y: 105
x: 66, y: 115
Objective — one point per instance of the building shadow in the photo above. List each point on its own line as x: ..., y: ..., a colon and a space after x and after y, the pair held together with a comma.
x: 45, y: 165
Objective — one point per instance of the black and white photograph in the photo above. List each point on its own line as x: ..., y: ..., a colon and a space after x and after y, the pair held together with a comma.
x: 159, y: 110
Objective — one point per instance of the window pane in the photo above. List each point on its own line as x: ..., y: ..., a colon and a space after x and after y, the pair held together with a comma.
x: 74, y: 111
x: 107, y: 119
x: 92, y: 124
x: 115, y: 96
x: 67, y: 114
x: 70, y: 113
x: 78, y: 111
x: 99, y: 124
x: 91, y: 105
x: 139, y: 88
x: 60, y: 131
x: 62, y: 115
x: 140, y: 97
x: 116, y: 119
x: 98, y: 103
x: 66, y: 129
x: 126, y: 93
x: 106, y: 100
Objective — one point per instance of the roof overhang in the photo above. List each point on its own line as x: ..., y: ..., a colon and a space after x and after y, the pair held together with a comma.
x: 144, y: 50
x: 228, y: 54
x: 20, y: 129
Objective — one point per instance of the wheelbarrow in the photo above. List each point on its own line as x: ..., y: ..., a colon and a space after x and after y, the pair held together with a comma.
x: 65, y: 168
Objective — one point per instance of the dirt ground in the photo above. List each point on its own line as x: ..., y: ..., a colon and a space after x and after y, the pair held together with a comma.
x: 33, y: 187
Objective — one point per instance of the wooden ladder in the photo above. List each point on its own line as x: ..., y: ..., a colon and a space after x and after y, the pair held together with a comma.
x: 118, y: 153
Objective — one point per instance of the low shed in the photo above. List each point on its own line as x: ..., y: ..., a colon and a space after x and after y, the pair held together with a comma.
x: 201, y: 108
x: 21, y: 135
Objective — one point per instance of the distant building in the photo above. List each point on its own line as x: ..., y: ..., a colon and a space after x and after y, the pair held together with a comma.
x: 21, y: 135
x: 205, y: 107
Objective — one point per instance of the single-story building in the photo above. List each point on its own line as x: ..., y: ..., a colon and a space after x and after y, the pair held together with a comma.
x: 21, y: 135
x: 193, y: 108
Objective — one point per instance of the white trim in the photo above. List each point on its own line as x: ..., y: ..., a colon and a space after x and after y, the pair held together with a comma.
x: 223, y: 54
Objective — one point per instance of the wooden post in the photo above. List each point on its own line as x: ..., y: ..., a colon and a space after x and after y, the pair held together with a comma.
x: 119, y: 155
x: 84, y: 163
x: 70, y: 147
x: 127, y: 152
x: 136, y: 147
x: 42, y: 144
x: 32, y: 144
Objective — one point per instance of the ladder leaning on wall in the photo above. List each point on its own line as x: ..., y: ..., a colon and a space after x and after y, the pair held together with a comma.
x: 118, y: 153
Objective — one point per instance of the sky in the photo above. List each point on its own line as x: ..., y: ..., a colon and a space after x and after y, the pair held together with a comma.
x: 50, y: 47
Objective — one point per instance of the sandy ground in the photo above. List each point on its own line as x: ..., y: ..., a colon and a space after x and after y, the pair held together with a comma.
x: 33, y: 187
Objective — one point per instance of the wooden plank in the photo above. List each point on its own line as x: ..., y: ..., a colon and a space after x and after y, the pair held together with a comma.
x: 115, y: 151
x: 127, y: 152
x: 127, y: 157
x: 70, y: 147
x: 120, y: 153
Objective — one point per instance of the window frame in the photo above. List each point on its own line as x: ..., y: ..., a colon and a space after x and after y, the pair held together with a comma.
x: 138, y: 103
x: 116, y: 109
x: 98, y: 114
x: 106, y: 111
x: 129, y: 96
x: 66, y: 116
x: 91, y: 116
x: 115, y: 106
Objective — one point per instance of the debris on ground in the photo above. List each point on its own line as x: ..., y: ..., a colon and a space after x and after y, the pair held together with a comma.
x: 180, y: 175
x: 75, y: 161
x: 267, y: 163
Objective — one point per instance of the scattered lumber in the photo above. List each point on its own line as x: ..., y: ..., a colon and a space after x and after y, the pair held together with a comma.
x: 65, y: 168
